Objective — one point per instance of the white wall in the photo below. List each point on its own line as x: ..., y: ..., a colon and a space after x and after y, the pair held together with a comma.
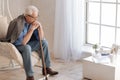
x: 17, y: 6
x: 47, y: 14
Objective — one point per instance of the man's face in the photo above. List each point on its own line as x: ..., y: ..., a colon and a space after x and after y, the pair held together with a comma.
x: 31, y: 18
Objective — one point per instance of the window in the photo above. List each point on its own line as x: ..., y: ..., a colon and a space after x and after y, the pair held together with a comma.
x: 103, y: 22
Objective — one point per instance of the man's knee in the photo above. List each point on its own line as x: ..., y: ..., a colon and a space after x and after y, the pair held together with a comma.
x: 45, y: 43
x: 27, y: 48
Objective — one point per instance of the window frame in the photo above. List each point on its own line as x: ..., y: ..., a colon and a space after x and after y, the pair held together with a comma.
x: 100, y: 24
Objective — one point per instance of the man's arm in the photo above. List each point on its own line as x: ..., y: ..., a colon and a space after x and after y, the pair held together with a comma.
x: 35, y: 25
x: 27, y: 36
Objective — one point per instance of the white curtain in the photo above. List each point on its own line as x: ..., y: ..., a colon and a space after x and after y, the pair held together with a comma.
x: 69, y: 29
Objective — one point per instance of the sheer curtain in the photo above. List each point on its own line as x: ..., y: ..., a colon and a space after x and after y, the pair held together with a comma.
x: 69, y: 29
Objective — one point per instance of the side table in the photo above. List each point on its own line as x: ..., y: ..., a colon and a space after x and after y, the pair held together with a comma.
x: 99, y: 71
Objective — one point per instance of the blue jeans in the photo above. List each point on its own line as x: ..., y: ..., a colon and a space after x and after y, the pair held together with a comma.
x: 26, y: 51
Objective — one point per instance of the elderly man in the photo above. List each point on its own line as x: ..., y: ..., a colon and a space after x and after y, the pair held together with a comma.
x: 23, y: 33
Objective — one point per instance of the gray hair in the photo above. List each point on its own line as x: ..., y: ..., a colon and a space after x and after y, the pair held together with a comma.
x: 30, y: 9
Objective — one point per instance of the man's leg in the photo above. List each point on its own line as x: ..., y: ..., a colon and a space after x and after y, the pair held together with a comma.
x: 25, y: 51
x: 35, y: 47
x: 47, y: 59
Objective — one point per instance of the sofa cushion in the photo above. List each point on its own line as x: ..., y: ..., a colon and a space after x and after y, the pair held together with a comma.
x: 3, y: 26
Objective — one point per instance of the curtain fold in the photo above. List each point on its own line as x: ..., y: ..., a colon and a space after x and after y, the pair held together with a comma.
x: 69, y: 29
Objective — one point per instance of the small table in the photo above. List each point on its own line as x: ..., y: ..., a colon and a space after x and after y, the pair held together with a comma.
x: 100, y: 71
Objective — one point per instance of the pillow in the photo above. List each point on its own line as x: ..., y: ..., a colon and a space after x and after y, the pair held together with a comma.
x: 3, y: 26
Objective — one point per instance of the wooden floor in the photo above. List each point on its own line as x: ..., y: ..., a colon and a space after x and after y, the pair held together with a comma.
x: 67, y: 71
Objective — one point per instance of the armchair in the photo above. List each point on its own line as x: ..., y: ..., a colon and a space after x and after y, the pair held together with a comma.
x: 9, y: 51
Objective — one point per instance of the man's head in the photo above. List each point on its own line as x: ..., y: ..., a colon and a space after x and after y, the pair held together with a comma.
x: 31, y: 14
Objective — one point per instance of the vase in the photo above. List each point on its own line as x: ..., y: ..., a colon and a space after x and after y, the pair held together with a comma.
x: 113, y: 58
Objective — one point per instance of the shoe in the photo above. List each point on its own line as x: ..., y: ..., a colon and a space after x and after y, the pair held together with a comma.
x: 30, y: 78
x: 49, y: 71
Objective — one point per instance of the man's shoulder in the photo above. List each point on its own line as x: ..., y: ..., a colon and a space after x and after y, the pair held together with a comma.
x: 18, y: 19
x: 20, y: 16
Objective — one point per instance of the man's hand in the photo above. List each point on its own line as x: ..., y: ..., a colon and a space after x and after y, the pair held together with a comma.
x: 35, y: 25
